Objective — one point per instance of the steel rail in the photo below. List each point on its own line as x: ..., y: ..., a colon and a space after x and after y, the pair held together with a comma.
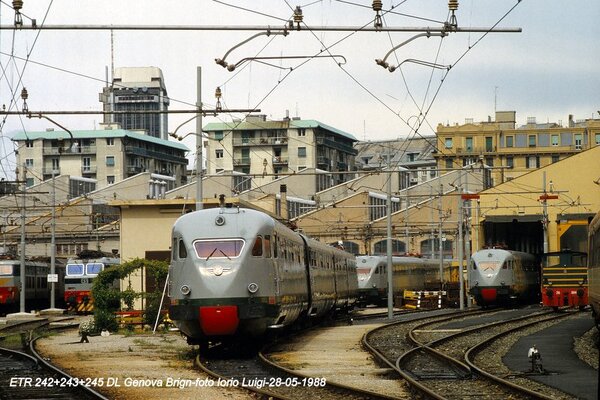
x: 472, y: 352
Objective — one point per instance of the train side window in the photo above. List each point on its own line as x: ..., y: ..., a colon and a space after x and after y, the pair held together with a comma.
x: 181, y: 250
x: 6, y: 269
x: 257, y: 248
x: 268, y: 246
x: 173, y: 247
x: 275, y: 247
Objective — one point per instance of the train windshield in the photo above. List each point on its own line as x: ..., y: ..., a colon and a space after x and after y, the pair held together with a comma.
x: 6, y: 269
x: 488, y: 265
x: 74, y: 269
x: 94, y: 268
x: 363, y: 273
x: 218, y: 248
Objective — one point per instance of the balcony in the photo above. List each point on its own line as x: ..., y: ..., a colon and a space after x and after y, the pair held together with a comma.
x: 263, y: 141
x: 49, y: 170
x: 278, y: 160
x: 88, y: 169
x: 134, y: 169
x: 241, y: 161
x: 69, y: 150
x: 157, y: 155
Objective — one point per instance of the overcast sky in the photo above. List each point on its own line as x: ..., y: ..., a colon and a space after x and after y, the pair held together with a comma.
x: 547, y: 71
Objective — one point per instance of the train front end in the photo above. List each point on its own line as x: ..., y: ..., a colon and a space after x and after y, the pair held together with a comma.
x: 9, y: 283
x: 221, y: 284
x: 491, y: 277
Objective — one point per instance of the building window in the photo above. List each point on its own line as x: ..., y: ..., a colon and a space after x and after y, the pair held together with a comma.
x: 110, y: 141
x: 28, y: 143
x: 29, y: 182
x: 87, y: 164
x: 449, y: 163
x: 110, y: 161
x: 554, y: 140
x: 531, y: 140
x: 510, y: 141
x: 219, y: 135
x: 219, y: 153
x: 533, y: 162
x: 489, y: 161
x: 110, y: 179
x: 510, y: 162
x: 578, y: 141
x: 29, y: 162
x: 302, y: 132
x: 448, y: 143
x: 469, y: 143
x: 597, y: 136
x: 489, y: 144
x: 555, y: 158
x: 302, y: 152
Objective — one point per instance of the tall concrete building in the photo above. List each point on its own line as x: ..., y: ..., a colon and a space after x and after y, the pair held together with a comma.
x: 137, y: 89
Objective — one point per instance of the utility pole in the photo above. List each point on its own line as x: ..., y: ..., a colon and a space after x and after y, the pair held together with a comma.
x: 461, y: 278
x: 53, y: 244
x: 199, y: 141
x: 440, y: 243
x: 22, y: 258
x: 390, y: 266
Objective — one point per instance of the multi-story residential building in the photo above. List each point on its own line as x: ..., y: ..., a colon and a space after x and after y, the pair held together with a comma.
x: 512, y: 151
x: 101, y: 157
x: 412, y: 155
x: 137, y: 89
x: 269, y: 149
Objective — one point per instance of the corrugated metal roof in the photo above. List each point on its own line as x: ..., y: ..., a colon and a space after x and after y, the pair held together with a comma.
x: 95, y: 134
x: 294, y: 123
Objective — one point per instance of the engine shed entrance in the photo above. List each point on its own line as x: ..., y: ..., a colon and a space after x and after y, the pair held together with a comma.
x: 522, y: 233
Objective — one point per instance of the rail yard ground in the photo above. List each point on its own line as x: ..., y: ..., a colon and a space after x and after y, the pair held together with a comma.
x: 151, y: 366
x: 146, y: 366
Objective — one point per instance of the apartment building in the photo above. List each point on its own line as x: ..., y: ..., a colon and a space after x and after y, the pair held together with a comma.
x: 99, y: 157
x: 512, y: 151
x: 268, y: 150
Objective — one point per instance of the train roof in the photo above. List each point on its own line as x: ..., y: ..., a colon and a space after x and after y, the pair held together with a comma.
x: 500, y: 253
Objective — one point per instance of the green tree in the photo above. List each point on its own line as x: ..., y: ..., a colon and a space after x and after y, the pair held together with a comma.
x: 108, y: 298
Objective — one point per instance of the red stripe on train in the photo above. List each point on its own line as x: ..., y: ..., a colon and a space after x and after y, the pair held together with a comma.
x: 218, y: 320
x: 489, y: 295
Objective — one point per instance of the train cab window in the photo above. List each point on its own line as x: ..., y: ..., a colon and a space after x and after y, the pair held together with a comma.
x: 257, y: 248
x: 75, y: 269
x: 93, y: 268
x: 181, y: 250
x: 6, y: 269
x: 230, y: 248
x: 267, y: 246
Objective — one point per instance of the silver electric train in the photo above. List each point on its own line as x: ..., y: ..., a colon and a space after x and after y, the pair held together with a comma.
x: 409, y: 273
x: 504, y: 277
x: 237, y: 273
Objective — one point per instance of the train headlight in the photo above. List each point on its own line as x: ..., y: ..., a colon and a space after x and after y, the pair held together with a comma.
x: 253, y: 287
x: 185, y: 290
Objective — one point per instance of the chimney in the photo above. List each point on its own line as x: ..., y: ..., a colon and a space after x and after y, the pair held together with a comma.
x: 283, y: 211
x: 571, y: 122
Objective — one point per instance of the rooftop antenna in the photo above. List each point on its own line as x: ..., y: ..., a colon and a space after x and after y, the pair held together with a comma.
x: 112, y: 55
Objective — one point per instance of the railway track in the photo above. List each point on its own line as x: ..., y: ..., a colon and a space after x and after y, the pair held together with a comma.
x: 277, y: 381
x: 259, y: 375
x: 432, y: 359
x: 26, y: 375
